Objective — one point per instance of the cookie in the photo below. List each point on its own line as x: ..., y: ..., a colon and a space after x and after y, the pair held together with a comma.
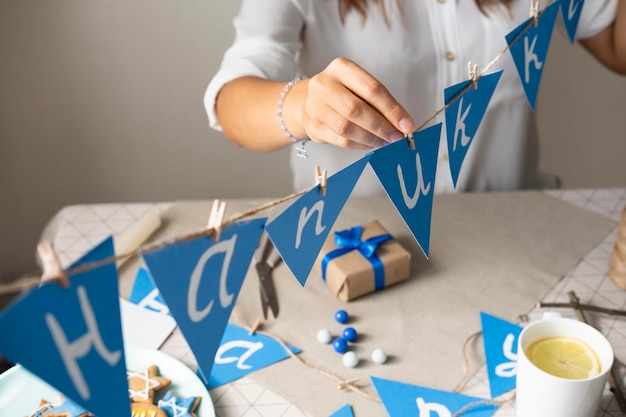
x: 146, y: 410
x: 175, y: 406
x: 143, y: 384
x: 66, y: 408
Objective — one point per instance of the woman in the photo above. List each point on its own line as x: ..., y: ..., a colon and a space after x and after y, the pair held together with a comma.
x: 377, y: 71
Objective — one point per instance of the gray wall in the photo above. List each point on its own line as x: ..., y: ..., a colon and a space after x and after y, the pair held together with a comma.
x: 101, y: 101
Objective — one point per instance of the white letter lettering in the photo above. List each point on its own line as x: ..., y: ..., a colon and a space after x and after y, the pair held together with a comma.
x: 459, y: 129
x: 226, y: 246
x: 507, y: 369
x: 71, y: 352
x: 530, y: 56
x: 425, y: 409
x: 304, y: 218
x: 419, y: 188
x: 251, y: 349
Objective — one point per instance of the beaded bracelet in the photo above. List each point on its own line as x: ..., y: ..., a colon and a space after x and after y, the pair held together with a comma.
x: 301, y: 152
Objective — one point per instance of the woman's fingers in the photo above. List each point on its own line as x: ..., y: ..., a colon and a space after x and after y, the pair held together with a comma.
x: 355, y: 109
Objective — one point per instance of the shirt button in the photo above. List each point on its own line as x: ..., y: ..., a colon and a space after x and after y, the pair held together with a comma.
x: 450, y: 56
x: 441, y: 1
x: 444, y: 157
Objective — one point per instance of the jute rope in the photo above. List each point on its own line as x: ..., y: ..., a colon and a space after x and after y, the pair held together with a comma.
x: 27, y: 283
x: 350, y: 384
x: 342, y: 384
x: 617, y: 264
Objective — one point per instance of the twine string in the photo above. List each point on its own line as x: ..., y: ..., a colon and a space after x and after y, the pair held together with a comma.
x: 29, y: 282
x: 342, y: 384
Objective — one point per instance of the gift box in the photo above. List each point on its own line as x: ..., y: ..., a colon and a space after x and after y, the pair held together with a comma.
x: 361, y: 260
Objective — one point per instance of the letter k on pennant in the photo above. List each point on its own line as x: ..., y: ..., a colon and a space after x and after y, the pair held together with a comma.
x: 529, y: 44
x: 465, y: 108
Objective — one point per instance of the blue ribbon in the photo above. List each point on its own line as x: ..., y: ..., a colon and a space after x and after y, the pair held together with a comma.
x: 349, y: 240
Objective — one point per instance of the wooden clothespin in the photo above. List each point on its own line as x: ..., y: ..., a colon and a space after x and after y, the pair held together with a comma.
x: 320, y: 179
x: 411, y: 141
x: 534, y: 10
x: 52, y: 270
x: 472, y: 73
x: 216, y: 217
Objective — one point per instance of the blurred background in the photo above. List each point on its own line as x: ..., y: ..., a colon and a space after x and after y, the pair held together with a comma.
x: 101, y: 101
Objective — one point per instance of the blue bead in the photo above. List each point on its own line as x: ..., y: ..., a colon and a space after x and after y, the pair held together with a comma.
x: 341, y: 316
x: 349, y: 334
x: 340, y: 345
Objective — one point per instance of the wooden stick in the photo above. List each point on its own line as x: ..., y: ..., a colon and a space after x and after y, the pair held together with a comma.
x: 580, y: 306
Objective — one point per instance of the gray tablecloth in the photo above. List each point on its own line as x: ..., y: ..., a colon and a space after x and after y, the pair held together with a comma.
x: 493, y: 252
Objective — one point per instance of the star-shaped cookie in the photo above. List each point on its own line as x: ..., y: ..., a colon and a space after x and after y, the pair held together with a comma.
x: 143, y: 384
x: 176, y: 406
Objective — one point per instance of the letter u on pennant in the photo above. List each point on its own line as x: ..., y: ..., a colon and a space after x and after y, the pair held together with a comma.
x: 408, y: 177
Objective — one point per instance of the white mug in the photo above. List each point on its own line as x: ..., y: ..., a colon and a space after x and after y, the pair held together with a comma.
x: 539, y: 394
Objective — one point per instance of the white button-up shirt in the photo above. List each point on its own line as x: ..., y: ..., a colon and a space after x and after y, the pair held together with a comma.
x: 425, y: 49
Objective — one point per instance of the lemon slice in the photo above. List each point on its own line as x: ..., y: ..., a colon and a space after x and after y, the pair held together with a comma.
x: 565, y: 357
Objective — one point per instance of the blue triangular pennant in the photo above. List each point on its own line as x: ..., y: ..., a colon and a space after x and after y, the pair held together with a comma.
x: 401, y: 400
x: 500, y: 341
x: 299, y: 232
x: 241, y: 353
x: 570, y: 10
x: 408, y: 177
x: 465, y: 108
x: 529, y: 44
x: 345, y: 411
x: 145, y: 293
x: 200, y: 280
x: 72, y: 337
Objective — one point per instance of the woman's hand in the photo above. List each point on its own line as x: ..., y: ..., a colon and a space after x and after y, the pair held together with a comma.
x: 347, y: 107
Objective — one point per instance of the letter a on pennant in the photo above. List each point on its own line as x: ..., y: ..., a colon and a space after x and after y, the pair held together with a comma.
x: 72, y: 337
x: 570, y: 10
x: 529, y: 46
x: 200, y: 279
x: 465, y: 108
x: 408, y: 177
x: 401, y: 400
x: 299, y: 232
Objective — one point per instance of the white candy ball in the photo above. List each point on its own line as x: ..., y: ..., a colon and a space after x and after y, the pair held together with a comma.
x: 379, y: 356
x: 350, y: 359
x: 324, y: 336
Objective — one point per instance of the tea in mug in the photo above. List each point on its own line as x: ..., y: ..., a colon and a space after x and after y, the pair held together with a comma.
x: 565, y: 357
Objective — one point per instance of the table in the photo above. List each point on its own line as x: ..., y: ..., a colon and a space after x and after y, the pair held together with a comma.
x: 75, y: 229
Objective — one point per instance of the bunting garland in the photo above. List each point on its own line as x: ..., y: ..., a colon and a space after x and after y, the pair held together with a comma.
x: 199, y: 279
x: 465, y: 108
x: 571, y: 10
x: 80, y: 330
x: 528, y: 44
x: 299, y: 232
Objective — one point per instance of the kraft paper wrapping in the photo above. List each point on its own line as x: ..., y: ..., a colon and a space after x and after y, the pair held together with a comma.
x: 493, y: 252
x: 352, y: 275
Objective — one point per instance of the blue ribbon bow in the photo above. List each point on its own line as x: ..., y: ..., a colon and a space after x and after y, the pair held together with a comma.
x: 349, y: 240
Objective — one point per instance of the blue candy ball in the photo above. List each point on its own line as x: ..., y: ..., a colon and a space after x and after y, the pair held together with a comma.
x: 341, y: 316
x: 349, y: 334
x: 340, y: 345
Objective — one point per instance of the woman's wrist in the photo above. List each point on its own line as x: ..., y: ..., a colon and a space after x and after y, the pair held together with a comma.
x: 288, y: 113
